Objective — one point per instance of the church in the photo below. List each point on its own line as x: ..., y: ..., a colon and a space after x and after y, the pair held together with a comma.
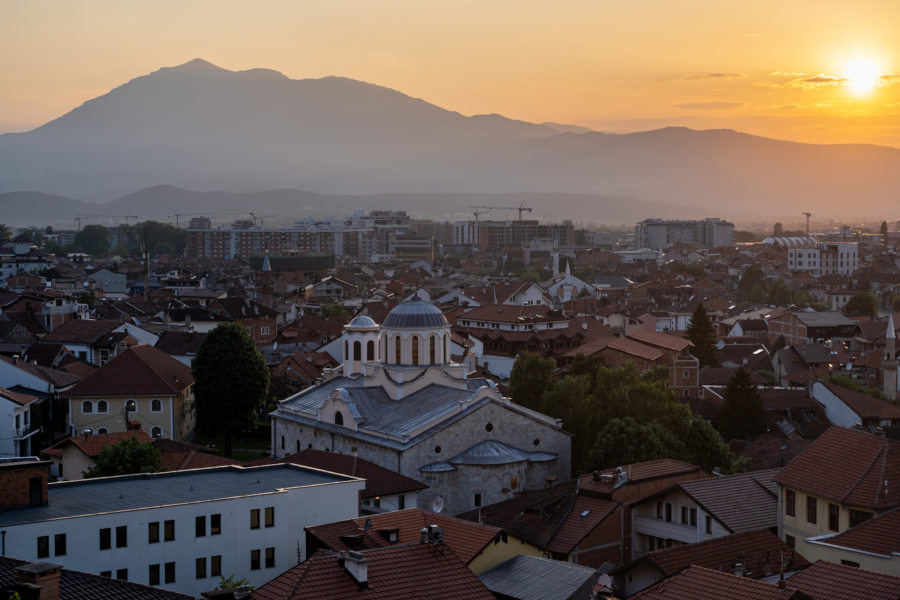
x: 399, y: 401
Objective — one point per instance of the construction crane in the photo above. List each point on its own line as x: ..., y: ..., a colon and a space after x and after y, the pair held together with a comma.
x: 79, y: 219
x: 259, y: 218
x: 808, y: 215
x: 177, y: 215
x: 521, y: 208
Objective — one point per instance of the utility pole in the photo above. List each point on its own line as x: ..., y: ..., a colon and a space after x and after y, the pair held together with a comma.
x: 808, y: 215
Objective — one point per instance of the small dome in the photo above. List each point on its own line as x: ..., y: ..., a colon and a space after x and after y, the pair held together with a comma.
x: 415, y: 314
x: 362, y: 322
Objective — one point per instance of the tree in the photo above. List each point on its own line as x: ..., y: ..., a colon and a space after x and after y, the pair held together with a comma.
x: 742, y: 237
x: 626, y: 441
x: 778, y: 230
x: 5, y: 232
x: 231, y: 381
x: 702, y: 334
x: 862, y: 303
x: 752, y: 276
x: 93, y: 239
x: 895, y: 303
x: 569, y: 400
x: 127, y: 457
x: 531, y: 376
x: 741, y: 415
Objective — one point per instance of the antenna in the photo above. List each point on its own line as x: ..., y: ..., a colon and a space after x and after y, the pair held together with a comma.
x: 808, y: 215
x: 437, y: 505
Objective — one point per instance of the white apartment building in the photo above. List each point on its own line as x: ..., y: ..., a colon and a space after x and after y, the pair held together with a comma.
x: 177, y: 530
x: 825, y: 258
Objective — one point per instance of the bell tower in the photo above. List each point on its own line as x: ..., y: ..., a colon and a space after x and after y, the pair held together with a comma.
x: 889, y: 366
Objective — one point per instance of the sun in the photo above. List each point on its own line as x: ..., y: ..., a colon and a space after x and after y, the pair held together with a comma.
x: 862, y: 75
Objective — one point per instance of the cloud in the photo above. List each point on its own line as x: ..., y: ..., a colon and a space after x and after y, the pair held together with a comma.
x: 753, y: 35
x: 709, y: 105
x: 786, y: 74
x: 886, y: 80
x: 716, y: 76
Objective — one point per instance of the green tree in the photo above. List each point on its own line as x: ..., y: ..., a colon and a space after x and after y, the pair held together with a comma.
x: 569, y: 399
x: 93, y: 239
x: 231, y: 381
x: 862, y: 303
x: 702, y: 334
x: 531, y: 376
x: 741, y: 415
x: 895, y: 303
x: 128, y: 456
x: 5, y: 232
x: 778, y: 230
x: 334, y: 310
x: 742, y: 237
x: 753, y: 275
x: 626, y: 441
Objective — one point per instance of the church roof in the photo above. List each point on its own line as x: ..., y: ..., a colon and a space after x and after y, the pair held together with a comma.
x: 362, y: 321
x: 415, y: 314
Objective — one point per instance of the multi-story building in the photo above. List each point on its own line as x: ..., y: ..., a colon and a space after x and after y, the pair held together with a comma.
x: 497, y: 235
x: 178, y: 530
x: 657, y: 234
x: 825, y: 258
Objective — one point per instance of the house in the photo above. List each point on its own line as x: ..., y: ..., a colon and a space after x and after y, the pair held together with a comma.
x: 513, y: 293
x: 872, y: 545
x: 703, y: 509
x: 754, y: 554
x: 848, y: 408
x: 399, y: 399
x: 479, y: 546
x: 526, y: 577
x: 178, y: 530
x: 93, y: 340
x: 420, y: 571
x: 19, y: 255
x: 385, y: 490
x: 684, y: 369
x: 17, y: 426
x: 842, y: 479
x: 800, y: 327
x: 260, y: 322
x: 180, y: 345
x: 47, y: 581
x: 141, y: 388
x: 108, y: 281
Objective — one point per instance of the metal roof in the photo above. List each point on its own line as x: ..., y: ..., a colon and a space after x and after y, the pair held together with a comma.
x: 151, y: 490
x: 536, y: 578
x: 415, y: 314
x: 493, y: 452
x: 363, y: 322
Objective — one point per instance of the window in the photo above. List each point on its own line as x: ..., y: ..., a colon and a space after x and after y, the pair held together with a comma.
x: 169, y: 531
x: 200, y: 526
x: 659, y: 509
x: 693, y: 517
x: 87, y: 407
x: 59, y: 544
x: 397, y: 349
x: 105, y: 538
x: 668, y: 512
x: 357, y: 351
x: 130, y: 406
x: 850, y: 563
x: 103, y: 406
x: 858, y: 517
x: 254, y: 560
x: 708, y: 524
x: 43, y: 546
x: 685, y: 518
x: 790, y: 503
x: 477, y: 500
x: 811, y: 509
x: 264, y: 330
x: 254, y: 518
x: 122, y: 536
x: 282, y: 442
x: 153, y: 575
x: 170, y: 572
x: 200, y: 568
x: 156, y: 405
x: 270, y: 558
x: 270, y: 516
x: 153, y: 532
x: 122, y: 574
x: 789, y: 540
x: 431, y: 344
x: 215, y: 524
x: 370, y: 350
x: 103, y: 430
x: 215, y: 566
x: 834, y: 517
x: 415, y: 350
x: 338, y: 418
x: 401, y: 501
x: 156, y: 432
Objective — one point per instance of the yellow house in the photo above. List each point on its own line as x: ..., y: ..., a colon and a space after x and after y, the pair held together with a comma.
x: 838, y: 483
x: 141, y: 388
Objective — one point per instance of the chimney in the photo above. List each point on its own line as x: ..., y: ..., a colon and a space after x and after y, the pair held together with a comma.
x: 357, y: 565
x: 43, y: 575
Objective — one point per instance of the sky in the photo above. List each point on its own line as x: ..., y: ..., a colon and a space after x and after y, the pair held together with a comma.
x: 809, y: 71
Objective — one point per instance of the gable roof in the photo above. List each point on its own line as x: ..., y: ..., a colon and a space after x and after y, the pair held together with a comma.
x: 91, y: 445
x: 848, y: 466
x: 180, y: 342
x: 56, y: 377
x: 830, y: 581
x: 408, y: 572
x: 16, y: 397
x: 81, y: 331
x: 537, y: 578
x: 741, y: 502
x: 139, y: 371
x: 880, y: 535
x: 867, y: 407
x: 700, y: 583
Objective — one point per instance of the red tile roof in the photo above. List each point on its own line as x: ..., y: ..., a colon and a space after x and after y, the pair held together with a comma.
x: 880, y: 535
x: 847, y: 466
x: 54, y: 376
x: 741, y: 502
x: 700, y: 583
x: 180, y: 456
x: 91, y: 445
x: 465, y: 538
x: 864, y: 405
x: 760, y: 552
x: 635, y: 348
x: 830, y: 581
x: 408, y: 572
x: 659, y: 339
x: 20, y: 399
x: 81, y: 331
x: 139, y: 371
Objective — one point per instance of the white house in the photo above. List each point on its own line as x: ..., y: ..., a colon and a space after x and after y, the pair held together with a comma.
x: 16, y: 424
x: 177, y: 530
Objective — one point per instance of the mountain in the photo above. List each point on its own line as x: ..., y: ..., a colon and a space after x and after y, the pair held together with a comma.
x: 202, y: 127
x: 282, y: 207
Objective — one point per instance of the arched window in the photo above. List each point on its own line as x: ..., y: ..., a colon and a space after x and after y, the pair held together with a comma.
x: 156, y: 405
x: 130, y: 406
x: 431, y: 348
x: 346, y: 350
x: 102, y: 430
x: 397, y: 349
x: 370, y: 350
x: 446, y: 348
x: 156, y: 432
x: 87, y: 406
x: 102, y: 407
x: 298, y: 445
x: 339, y: 418
x: 357, y: 351
x: 384, y: 356
x: 415, y: 350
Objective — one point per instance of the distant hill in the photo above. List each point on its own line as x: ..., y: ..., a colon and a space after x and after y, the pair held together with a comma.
x: 202, y: 127
x: 282, y: 207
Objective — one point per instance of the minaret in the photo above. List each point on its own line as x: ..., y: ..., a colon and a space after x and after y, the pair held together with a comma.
x: 266, y: 290
x: 889, y: 366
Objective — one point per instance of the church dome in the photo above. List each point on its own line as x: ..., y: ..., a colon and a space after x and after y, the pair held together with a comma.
x: 362, y: 322
x: 415, y: 314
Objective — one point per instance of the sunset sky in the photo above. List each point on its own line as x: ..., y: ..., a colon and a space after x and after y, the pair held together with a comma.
x: 813, y: 71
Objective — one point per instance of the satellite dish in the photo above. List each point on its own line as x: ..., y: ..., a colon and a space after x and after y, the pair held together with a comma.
x: 275, y: 346
x: 437, y: 505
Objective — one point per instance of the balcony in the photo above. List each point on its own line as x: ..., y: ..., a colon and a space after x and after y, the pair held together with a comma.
x: 666, y: 529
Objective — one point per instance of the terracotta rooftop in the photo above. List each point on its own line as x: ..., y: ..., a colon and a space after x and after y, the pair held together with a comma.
x: 769, y: 451
x: 658, y: 339
x: 408, y: 572
x: 742, y: 502
x: 847, y: 466
x: 506, y: 313
x: 180, y: 342
x: 867, y: 407
x: 636, y: 348
x: 18, y: 398
x: 830, y: 581
x: 56, y: 377
x: 179, y: 456
x: 81, y: 331
x: 880, y: 535
x: 700, y: 583
x: 91, y: 445
x: 759, y: 551
x: 139, y: 371
x: 465, y: 538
